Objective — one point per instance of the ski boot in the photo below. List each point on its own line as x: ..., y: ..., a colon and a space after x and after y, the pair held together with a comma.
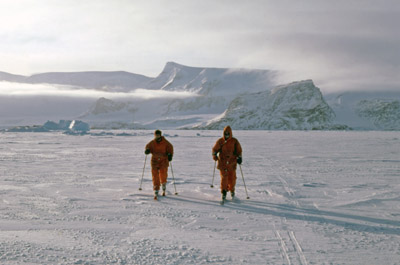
x: 164, y: 187
x: 233, y: 195
x: 223, y: 197
x: 156, y: 195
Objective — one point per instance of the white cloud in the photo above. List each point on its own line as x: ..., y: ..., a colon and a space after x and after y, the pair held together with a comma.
x: 304, y: 39
x: 36, y: 90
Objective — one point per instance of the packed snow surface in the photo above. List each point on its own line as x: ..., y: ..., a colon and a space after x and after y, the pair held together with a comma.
x: 315, y: 198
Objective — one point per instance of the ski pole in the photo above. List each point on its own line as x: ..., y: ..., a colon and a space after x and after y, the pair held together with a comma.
x: 145, y: 158
x: 240, y: 166
x: 172, y: 171
x: 212, y: 183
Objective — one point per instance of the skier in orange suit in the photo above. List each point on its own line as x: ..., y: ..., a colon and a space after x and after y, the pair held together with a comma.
x: 228, y: 152
x: 162, y: 152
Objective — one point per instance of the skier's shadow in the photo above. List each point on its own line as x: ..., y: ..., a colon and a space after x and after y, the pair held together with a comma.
x: 303, y: 214
x: 201, y: 201
x: 319, y: 216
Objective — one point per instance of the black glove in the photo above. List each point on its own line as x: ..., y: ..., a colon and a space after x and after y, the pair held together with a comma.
x: 147, y: 151
x: 215, y: 157
x: 239, y: 160
x: 169, y: 157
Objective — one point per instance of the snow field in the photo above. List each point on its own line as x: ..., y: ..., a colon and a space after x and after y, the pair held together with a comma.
x: 315, y: 198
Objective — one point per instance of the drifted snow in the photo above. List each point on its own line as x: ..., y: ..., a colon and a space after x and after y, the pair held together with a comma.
x: 315, y: 198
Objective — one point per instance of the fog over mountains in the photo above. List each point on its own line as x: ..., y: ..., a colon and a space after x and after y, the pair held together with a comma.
x: 191, y: 97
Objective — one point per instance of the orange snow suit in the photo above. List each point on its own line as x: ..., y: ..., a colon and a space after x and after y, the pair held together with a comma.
x: 159, y: 160
x: 229, y: 150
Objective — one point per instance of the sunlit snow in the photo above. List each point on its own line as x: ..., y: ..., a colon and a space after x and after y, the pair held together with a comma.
x: 315, y: 198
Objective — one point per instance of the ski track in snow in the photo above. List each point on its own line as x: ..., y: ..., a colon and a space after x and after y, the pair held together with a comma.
x: 315, y: 198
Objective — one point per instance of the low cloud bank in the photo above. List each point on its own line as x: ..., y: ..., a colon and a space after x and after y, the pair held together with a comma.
x: 29, y: 90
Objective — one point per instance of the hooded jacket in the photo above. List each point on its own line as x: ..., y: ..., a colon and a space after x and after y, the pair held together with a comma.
x: 228, y: 150
x: 160, y: 151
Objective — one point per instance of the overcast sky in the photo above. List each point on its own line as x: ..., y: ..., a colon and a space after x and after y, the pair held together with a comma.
x: 340, y: 44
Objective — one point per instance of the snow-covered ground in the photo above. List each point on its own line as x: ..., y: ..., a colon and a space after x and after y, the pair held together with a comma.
x: 315, y: 198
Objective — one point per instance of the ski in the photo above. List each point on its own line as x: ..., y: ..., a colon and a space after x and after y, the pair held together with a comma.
x: 233, y: 200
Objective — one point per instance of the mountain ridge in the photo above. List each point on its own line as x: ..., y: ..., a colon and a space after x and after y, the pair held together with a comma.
x: 295, y: 106
x: 247, y: 98
x: 99, y: 80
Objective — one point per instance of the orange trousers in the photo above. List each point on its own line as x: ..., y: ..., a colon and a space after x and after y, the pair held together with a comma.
x: 228, y: 180
x: 159, y: 177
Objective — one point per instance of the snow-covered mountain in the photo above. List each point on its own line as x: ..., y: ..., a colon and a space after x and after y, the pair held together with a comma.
x: 106, y: 113
x: 213, y: 90
x: 297, y: 106
x: 367, y: 110
x: 139, y: 114
x: 212, y: 81
x: 384, y: 114
x: 213, y: 97
x: 215, y: 87
x: 11, y: 78
x: 174, y: 77
x: 108, y: 81
x: 103, y: 106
